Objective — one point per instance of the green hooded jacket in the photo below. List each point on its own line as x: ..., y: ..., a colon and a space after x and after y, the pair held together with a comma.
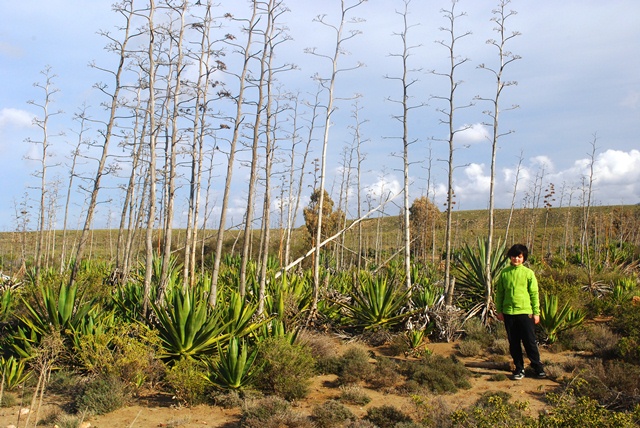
x: 517, y: 291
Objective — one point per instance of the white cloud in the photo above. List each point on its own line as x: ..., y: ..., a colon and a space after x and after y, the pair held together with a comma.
x: 543, y: 162
x: 15, y: 117
x: 472, y: 134
x: 383, y: 188
x: 617, y: 167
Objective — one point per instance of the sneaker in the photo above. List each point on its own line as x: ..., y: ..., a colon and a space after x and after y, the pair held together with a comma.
x: 517, y: 375
x: 540, y: 374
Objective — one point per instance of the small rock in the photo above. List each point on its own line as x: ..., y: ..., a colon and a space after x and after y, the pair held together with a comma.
x: 24, y: 411
x: 85, y: 425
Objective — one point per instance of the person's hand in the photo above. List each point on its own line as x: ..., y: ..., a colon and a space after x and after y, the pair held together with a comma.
x: 500, y: 317
x: 536, y: 319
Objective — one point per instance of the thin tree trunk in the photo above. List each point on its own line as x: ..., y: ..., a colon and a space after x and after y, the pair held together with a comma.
x: 505, y: 58
x: 339, y: 40
x: 107, y: 135
x: 232, y: 151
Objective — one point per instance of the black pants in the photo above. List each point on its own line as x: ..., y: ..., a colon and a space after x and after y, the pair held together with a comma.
x: 521, y: 331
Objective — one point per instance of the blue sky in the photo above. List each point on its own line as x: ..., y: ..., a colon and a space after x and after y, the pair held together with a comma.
x: 578, y: 79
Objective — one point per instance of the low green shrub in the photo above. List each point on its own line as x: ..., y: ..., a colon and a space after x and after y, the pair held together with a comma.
x: 437, y: 374
x: 572, y: 411
x: 470, y: 348
x: 500, y: 347
x: 354, y: 365
x: 285, y: 369
x: 102, y: 395
x: 272, y: 412
x: 384, y: 374
x: 494, y: 409
x: 475, y: 331
x: 323, y: 350
x: 498, y: 377
x: 64, y: 420
x: 187, y: 381
x: 386, y: 416
x: 613, y: 383
x: 64, y: 381
x: 227, y: 399
x: 595, y: 338
x: 331, y: 414
x: 8, y: 399
x: 355, y: 395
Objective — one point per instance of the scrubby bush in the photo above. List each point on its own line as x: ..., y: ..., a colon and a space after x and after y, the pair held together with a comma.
x: 64, y: 420
x: 272, y: 412
x: 491, y: 410
x: 500, y: 347
x: 626, y: 323
x: 354, y: 365
x: 355, y: 395
x: 64, y: 381
x: 286, y: 369
x: 127, y: 351
x: 384, y: 374
x: 323, y: 350
x: 386, y: 416
x: 331, y: 414
x: 187, y: 380
x: 437, y: 374
x: 470, y: 348
x: 102, y: 395
x: 572, y: 411
x: 613, y: 383
x: 8, y: 399
x: 475, y: 331
x: 227, y: 399
x: 595, y: 338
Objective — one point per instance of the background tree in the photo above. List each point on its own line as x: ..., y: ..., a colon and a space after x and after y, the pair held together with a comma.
x: 333, y: 220
x: 424, y: 216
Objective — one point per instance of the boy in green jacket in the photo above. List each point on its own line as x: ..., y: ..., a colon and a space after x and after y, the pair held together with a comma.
x: 518, y: 306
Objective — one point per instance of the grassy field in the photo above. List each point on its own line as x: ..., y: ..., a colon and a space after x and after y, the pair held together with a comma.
x: 546, y: 231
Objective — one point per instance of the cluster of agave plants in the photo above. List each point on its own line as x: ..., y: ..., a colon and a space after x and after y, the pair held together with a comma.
x: 91, y: 318
x: 87, y: 315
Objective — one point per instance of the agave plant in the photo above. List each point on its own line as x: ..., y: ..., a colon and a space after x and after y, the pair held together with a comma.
x: 289, y: 297
x: 13, y: 372
x: 376, y: 302
x: 470, y: 274
x: 234, y: 368
x: 426, y: 296
x: 6, y: 304
x: 275, y: 328
x: 554, y: 321
x: 238, y: 315
x: 187, y: 326
x: 60, y: 310
x: 128, y: 300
